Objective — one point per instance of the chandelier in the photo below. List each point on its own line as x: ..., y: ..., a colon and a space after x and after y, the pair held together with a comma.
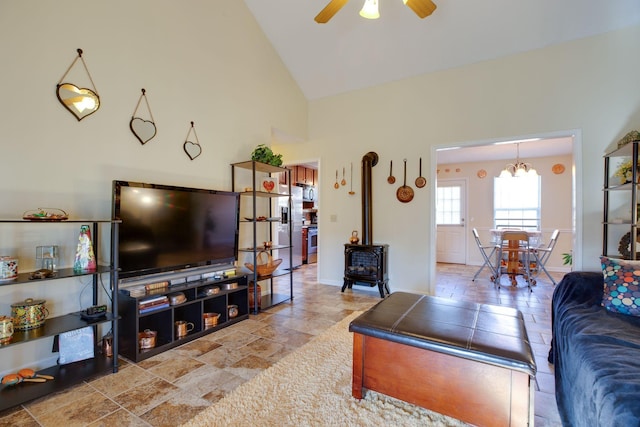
x: 518, y: 169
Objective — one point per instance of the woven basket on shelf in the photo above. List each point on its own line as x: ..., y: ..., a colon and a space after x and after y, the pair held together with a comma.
x: 264, y: 268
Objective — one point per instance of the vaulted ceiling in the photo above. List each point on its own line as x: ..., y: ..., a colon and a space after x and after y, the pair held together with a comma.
x: 350, y: 52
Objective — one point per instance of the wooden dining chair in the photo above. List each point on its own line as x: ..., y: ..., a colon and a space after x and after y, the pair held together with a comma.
x: 515, y: 244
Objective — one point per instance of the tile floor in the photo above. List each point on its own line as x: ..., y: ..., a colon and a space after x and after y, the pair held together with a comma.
x: 172, y: 387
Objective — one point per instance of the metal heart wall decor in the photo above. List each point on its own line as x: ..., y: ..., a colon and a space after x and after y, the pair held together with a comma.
x: 144, y: 130
x: 81, y: 102
x: 193, y: 149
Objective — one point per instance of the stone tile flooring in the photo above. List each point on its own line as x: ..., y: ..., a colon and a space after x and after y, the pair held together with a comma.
x: 172, y: 387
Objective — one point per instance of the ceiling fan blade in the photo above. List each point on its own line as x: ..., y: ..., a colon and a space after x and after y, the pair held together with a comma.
x: 422, y: 8
x: 329, y: 10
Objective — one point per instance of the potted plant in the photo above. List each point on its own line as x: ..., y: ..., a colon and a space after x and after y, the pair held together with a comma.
x: 263, y: 154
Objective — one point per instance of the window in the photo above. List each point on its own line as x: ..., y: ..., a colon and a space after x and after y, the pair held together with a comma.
x: 448, y: 205
x: 516, y: 202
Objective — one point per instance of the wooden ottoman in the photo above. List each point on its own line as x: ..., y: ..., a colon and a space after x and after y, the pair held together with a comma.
x: 472, y: 362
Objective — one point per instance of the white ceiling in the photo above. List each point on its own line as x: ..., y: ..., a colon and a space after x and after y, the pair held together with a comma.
x: 350, y: 52
x: 506, y: 150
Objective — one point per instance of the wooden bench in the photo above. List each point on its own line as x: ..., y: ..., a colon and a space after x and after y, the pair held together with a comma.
x: 472, y: 362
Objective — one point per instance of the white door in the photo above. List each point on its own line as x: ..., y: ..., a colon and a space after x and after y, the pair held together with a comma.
x: 450, y: 223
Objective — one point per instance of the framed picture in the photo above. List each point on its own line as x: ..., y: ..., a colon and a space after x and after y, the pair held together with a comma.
x: 268, y: 185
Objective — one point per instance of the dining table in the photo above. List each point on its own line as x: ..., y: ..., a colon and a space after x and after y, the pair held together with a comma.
x: 512, y: 248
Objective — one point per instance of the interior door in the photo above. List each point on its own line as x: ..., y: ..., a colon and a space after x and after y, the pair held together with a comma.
x: 450, y: 221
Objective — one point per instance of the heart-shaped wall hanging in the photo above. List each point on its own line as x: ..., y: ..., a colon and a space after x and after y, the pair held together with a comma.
x: 81, y: 102
x: 144, y: 130
x: 193, y: 149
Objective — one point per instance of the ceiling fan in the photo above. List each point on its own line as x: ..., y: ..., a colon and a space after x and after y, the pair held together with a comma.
x: 422, y: 8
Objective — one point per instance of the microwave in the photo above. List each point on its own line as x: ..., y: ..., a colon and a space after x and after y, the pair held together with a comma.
x: 308, y: 193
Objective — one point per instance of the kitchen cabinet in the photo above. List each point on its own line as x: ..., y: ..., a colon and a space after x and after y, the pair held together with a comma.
x: 74, y: 373
x: 261, y: 222
x: 305, y: 176
x: 617, y: 227
x: 299, y: 175
x: 311, y: 177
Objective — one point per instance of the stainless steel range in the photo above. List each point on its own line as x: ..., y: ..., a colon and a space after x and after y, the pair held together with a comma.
x: 312, y: 245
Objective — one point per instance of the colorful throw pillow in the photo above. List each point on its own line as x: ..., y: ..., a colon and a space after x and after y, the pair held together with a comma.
x: 621, y: 285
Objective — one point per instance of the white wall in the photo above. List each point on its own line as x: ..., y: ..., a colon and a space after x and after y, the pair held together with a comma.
x: 591, y: 85
x: 205, y: 61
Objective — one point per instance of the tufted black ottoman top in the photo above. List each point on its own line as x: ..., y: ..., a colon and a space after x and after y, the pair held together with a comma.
x: 480, y: 332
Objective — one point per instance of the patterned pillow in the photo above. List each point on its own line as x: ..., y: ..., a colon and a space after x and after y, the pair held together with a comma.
x: 621, y: 285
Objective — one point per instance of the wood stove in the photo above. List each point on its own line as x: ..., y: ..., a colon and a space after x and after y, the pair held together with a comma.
x: 366, y: 264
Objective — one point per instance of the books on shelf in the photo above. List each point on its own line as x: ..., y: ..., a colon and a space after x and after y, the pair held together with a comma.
x: 155, y: 303
x: 148, y: 289
x: 154, y: 286
x: 153, y: 300
x: 153, y: 308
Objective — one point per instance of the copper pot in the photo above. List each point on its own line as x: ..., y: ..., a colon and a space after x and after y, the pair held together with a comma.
x: 147, y: 339
x: 210, y: 319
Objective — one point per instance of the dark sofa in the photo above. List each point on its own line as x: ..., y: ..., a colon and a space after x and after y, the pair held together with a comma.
x: 596, y: 356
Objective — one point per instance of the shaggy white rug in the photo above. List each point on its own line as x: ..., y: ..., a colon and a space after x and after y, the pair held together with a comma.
x: 312, y: 387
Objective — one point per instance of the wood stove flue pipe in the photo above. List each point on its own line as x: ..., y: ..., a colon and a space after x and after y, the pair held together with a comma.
x: 368, y: 162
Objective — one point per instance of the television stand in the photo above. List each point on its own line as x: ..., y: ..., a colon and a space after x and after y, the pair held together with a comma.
x: 231, y: 302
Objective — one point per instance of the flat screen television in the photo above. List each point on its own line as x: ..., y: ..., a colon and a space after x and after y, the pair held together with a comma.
x: 166, y: 228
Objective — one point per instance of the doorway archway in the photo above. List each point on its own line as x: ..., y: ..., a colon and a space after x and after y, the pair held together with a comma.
x: 493, y: 147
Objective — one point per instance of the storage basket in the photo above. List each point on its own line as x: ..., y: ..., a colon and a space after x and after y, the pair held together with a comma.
x: 264, y: 267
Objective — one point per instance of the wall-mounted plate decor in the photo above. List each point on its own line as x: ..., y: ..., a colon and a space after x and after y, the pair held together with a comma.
x: 193, y: 149
x: 144, y: 130
x: 482, y: 173
x: 79, y: 101
x: 558, y: 168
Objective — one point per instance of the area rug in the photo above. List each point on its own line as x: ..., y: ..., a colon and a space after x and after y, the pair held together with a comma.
x: 312, y: 387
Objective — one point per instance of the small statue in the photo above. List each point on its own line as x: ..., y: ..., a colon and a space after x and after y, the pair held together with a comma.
x: 354, y: 239
x: 85, y: 259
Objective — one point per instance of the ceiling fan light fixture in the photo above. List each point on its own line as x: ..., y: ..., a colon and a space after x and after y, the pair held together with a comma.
x: 370, y: 9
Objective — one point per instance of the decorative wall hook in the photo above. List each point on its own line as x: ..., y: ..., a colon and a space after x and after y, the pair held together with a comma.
x: 81, y: 102
x: 193, y: 149
x: 144, y: 130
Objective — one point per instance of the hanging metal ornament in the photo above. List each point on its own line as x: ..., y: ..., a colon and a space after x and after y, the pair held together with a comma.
x: 193, y: 149
x: 144, y: 130
x: 81, y: 102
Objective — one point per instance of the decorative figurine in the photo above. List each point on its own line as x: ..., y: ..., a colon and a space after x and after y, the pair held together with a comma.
x: 85, y: 258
